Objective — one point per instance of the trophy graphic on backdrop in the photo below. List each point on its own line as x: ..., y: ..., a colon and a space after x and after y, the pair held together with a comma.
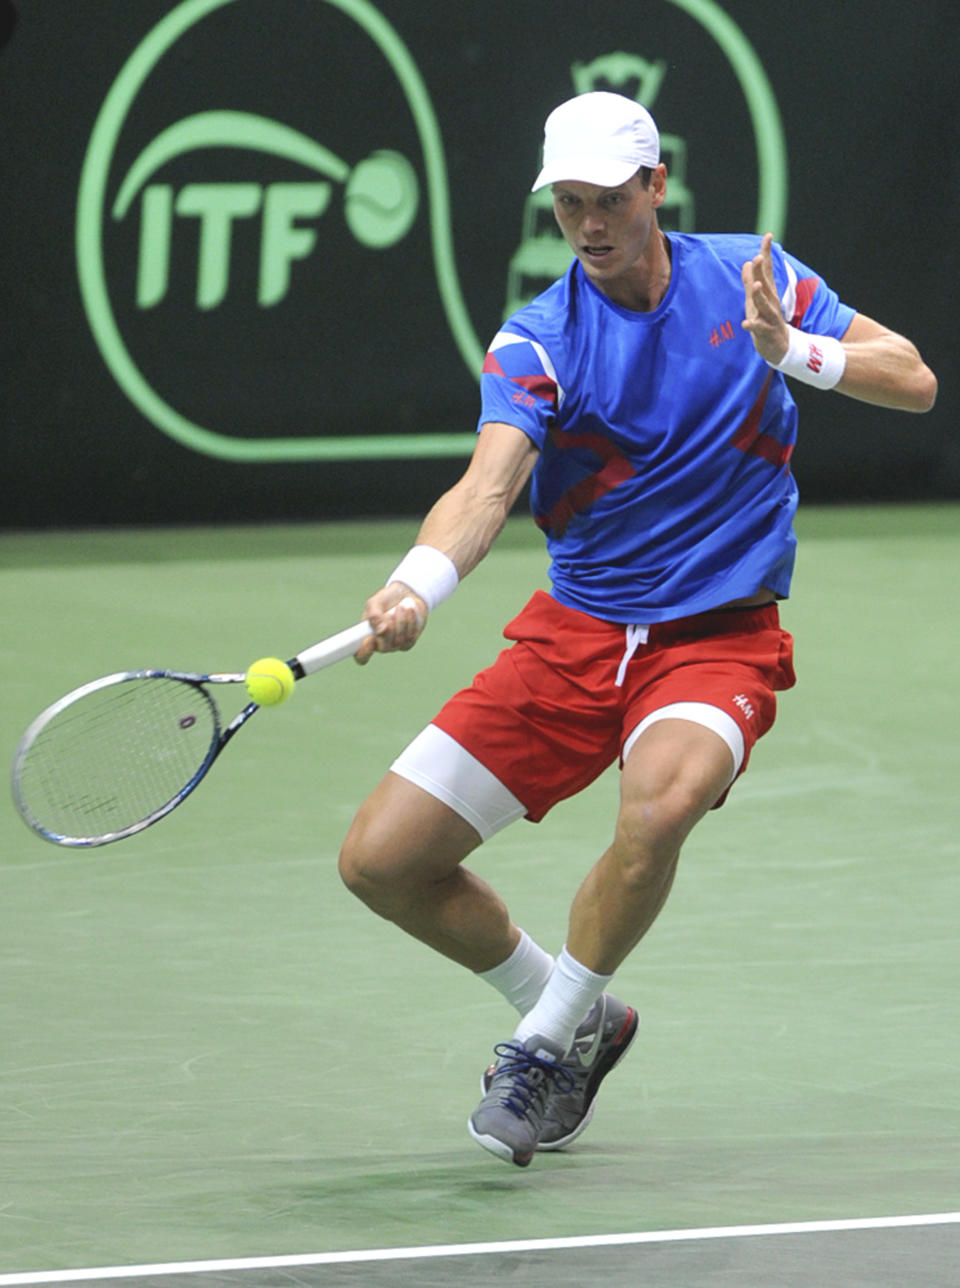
x: 543, y: 255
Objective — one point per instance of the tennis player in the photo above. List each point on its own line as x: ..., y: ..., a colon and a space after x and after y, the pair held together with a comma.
x: 646, y: 397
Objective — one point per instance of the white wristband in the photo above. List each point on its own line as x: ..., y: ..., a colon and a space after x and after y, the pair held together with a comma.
x: 817, y: 360
x: 429, y: 573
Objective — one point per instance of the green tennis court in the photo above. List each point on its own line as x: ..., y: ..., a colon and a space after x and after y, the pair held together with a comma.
x: 211, y: 1054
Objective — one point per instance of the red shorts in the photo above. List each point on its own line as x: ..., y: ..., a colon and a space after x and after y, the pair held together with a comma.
x: 547, y: 717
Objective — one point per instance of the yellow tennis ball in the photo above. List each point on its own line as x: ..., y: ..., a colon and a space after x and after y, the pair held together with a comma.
x: 269, y: 682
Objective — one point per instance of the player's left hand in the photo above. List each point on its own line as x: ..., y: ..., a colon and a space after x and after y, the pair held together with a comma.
x: 763, y: 318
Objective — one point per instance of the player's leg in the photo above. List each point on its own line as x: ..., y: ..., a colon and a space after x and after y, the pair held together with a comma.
x: 403, y: 857
x: 674, y: 773
x: 577, y: 1031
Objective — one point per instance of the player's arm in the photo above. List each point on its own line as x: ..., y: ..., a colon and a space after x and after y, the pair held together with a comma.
x: 885, y: 368
x: 870, y: 362
x: 456, y: 534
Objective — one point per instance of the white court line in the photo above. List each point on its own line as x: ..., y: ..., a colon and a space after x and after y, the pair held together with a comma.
x: 475, y: 1249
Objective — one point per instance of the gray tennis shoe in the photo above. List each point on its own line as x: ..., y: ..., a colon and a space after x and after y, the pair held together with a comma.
x: 509, y: 1119
x: 600, y: 1043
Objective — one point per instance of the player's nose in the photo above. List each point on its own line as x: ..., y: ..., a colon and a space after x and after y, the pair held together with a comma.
x: 593, y: 221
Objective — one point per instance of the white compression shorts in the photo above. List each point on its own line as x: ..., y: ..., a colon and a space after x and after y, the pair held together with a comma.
x: 437, y: 763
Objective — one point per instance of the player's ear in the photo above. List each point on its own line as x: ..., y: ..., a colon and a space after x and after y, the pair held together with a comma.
x: 658, y: 184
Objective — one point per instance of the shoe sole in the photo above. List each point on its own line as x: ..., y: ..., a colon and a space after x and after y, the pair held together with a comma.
x: 613, y: 1058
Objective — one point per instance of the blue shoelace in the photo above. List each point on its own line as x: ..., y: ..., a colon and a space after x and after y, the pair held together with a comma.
x: 515, y: 1061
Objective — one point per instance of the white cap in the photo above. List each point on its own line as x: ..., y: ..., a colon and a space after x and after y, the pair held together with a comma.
x: 598, y: 138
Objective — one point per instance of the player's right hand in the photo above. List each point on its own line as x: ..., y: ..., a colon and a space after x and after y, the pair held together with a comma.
x: 397, y: 616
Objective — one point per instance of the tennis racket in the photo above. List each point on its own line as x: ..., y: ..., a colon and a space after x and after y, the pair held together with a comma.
x: 118, y: 754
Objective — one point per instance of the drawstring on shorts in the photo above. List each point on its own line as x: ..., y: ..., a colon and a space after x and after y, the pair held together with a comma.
x: 636, y: 635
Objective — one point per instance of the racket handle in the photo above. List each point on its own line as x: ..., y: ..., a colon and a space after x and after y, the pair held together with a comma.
x: 335, y: 649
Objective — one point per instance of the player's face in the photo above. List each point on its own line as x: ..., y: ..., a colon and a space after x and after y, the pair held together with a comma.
x: 609, y: 229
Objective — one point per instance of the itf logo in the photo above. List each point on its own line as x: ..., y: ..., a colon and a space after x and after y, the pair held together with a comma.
x: 194, y: 233
x: 380, y: 196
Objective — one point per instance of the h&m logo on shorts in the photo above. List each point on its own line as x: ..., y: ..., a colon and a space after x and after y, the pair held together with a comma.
x: 745, y: 705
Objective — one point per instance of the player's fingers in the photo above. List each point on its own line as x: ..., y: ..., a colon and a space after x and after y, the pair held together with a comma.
x: 760, y: 268
x: 413, y: 608
x: 366, y: 651
x: 755, y: 294
x: 766, y: 259
x: 396, y: 628
x: 407, y: 620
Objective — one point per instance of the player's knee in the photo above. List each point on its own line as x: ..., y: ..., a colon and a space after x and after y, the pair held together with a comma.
x: 358, y: 864
x: 651, y: 830
x: 377, y: 866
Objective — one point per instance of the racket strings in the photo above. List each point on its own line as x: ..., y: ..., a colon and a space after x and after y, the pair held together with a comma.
x: 118, y: 755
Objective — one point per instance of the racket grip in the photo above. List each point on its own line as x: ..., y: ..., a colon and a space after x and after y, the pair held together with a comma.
x: 335, y: 649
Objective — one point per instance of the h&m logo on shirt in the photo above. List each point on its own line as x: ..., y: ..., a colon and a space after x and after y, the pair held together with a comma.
x: 725, y: 332
x: 745, y: 705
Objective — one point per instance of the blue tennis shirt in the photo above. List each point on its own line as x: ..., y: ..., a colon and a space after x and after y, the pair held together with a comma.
x: 663, y: 483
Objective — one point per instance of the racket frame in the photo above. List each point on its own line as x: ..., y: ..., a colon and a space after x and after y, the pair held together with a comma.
x: 221, y: 736
x: 325, y: 653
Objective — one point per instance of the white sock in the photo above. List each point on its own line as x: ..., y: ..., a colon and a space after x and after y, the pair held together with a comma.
x: 564, y: 1003
x: 522, y: 977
